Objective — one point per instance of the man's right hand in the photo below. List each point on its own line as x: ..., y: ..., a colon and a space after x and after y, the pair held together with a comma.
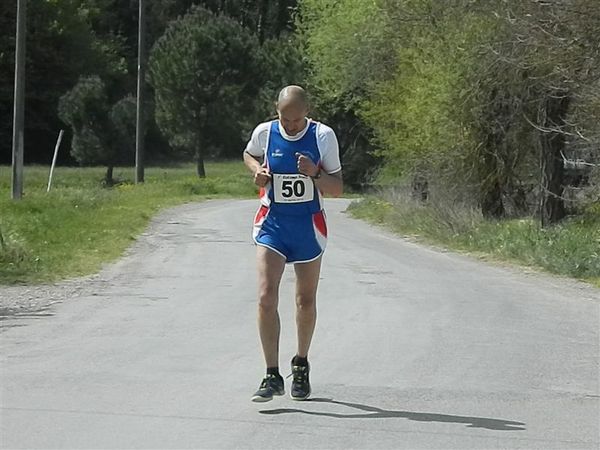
x: 262, y: 177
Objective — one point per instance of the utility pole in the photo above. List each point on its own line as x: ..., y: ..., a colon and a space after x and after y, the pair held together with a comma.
x: 139, y: 126
x: 19, y: 102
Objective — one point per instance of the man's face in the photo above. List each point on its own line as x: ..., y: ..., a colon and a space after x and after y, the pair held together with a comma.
x: 292, y: 117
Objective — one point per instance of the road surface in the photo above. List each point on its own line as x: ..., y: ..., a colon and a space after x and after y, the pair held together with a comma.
x: 414, y: 348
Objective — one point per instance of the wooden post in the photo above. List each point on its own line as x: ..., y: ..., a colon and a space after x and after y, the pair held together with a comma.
x: 139, y: 126
x: 58, y: 141
x: 19, y: 102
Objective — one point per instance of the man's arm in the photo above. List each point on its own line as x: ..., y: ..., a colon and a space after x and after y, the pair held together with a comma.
x: 330, y: 180
x: 254, y: 153
x: 252, y: 162
x: 328, y: 184
x: 261, y: 174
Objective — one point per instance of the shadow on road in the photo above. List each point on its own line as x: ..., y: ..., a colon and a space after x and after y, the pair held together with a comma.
x: 372, y: 412
x: 9, y: 315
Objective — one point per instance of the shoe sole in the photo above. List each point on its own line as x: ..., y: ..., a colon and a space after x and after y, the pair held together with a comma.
x: 259, y: 399
x: 299, y: 399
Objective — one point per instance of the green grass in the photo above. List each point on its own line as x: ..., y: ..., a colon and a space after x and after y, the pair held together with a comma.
x: 571, y: 248
x: 80, y: 224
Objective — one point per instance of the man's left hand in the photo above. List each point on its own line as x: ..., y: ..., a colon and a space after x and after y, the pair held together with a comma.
x: 306, y: 166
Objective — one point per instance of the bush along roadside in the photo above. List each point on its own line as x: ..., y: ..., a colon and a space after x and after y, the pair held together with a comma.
x: 570, y: 248
x: 13, y: 254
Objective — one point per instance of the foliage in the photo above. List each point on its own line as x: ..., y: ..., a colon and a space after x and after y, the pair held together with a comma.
x: 61, y: 47
x: 70, y: 39
x: 348, y: 46
x: 282, y: 58
x: 85, y: 108
x: 102, y: 134
x: 479, y: 99
x: 122, y: 117
x: 533, y: 78
x: 415, y: 114
x: 267, y: 19
x: 348, y: 50
x: 12, y: 248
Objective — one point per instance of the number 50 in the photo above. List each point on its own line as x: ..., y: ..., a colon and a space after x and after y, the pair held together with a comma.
x: 291, y: 188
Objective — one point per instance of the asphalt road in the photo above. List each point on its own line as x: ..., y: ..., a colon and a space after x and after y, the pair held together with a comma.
x: 414, y: 348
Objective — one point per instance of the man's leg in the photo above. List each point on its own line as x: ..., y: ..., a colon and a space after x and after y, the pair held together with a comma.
x: 307, y: 281
x: 270, y: 269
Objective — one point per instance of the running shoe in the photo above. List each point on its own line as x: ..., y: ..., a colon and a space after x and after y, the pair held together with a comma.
x: 271, y: 385
x: 300, y: 383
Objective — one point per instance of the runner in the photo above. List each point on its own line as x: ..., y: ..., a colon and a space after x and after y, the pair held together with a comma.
x: 294, y: 161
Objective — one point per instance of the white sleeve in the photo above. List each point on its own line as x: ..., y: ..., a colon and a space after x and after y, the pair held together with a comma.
x: 257, y: 145
x: 329, y: 149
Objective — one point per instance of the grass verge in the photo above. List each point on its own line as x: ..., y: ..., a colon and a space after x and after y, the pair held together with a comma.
x: 81, y: 225
x: 571, y: 248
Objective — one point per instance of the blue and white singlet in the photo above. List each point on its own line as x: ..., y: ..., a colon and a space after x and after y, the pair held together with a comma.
x: 291, y: 220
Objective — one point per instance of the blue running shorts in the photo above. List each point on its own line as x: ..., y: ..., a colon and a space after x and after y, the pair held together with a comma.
x: 298, y: 238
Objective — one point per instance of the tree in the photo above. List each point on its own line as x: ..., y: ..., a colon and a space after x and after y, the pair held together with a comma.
x: 101, y: 134
x: 476, y: 97
x: 349, y: 49
x: 551, y: 50
x: 68, y: 39
x: 268, y: 19
x: 122, y: 117
x: 206, y: 70
x: 282, y: 58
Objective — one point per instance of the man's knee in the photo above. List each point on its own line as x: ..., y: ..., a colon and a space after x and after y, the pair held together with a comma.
x: 267, y: 300
x: 305, y: 301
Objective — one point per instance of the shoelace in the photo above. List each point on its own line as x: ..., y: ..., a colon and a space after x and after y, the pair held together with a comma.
x: 266, y: 380
x: 300, y: 376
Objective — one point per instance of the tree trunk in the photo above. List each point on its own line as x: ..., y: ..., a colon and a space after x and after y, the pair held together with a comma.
x: 108, y: 178
x: 200, y: 165
x: 262, y: 14
x: 553, y: 115
x: 492, y: 206
x: 283, y: 16
x: 420, y: 188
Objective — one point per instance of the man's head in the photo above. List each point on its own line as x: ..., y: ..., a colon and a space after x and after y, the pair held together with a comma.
x: 292, y: 108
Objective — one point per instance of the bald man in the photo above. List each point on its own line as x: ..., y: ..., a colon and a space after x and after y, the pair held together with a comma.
x: 294, y: 160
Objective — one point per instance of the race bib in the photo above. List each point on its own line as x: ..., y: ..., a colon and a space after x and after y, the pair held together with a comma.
x: 292, y: 188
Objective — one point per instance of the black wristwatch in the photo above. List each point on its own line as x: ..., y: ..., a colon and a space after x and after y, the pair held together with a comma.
x: 317, y: 176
